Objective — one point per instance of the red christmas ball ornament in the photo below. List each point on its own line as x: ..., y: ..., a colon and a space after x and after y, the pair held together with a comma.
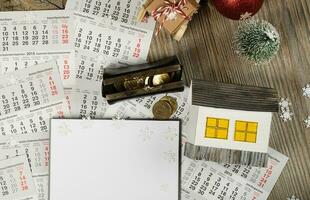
x: 238, y: 9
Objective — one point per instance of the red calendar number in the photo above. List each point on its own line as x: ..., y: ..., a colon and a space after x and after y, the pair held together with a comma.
x: 52, y: 85
x: 23, y: 179
x: 145, y: 19
x: 68, y: 101
x: 65, y: 34
x: 66, y: 72
x: 254, y: 198
x: 137, y: 51
x: 46, y: 154
x: 263, y: 180
x: 61, y: 114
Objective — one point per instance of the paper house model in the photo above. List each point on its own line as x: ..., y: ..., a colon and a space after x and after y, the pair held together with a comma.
x: 230, y: 123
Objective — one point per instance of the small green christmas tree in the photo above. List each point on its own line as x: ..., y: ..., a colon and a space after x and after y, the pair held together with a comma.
x: 257, y: 41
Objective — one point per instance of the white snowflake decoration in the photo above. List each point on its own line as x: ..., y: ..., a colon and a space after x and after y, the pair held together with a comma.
x: 246, y: 15
x: 284, y: 103
x: 307, y: 122
x: 172, y: 16
x: 170, y: 156
x: 306, y: 91
x: 171, y: 135
x: 287, y: 116
x: 146, y: 134
x: 64, y: 129
x: 292, y: 198
x: 285, y: 112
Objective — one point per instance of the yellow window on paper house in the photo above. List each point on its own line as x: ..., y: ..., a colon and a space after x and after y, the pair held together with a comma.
x: 246, y: 131
x: 216, y: 128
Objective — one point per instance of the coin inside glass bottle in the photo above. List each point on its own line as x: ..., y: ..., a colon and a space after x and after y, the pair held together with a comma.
x: 133, y: 84
x: 160, y: 79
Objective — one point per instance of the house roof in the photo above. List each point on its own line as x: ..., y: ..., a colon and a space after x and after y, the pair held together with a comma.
x: 232, y: 96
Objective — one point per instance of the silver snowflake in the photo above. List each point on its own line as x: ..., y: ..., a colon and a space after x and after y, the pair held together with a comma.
x: 284, y: 103
x: 172, y: 16
x: 307, y: 122
x: 246, y: 15
x: 64, y: 129
x: 146, y: 134
x: 171, y: 135
x: 287, y: 116
x: 170, y: 156
x: 292, y: 198
x: 306, y: 91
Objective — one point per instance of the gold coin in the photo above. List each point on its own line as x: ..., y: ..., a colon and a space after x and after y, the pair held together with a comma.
x: 119, y: 86
x: 165, y: 107
x: 134, y: 84
x: 161, y: 79
x: 162, y: 110
x: 172, y: 101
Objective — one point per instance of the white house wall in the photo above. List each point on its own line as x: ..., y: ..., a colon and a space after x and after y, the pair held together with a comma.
x: 263, y: 130
x: 190, y: 129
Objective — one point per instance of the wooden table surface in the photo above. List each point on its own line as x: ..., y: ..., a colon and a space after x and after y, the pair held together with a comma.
x: 206, y: 52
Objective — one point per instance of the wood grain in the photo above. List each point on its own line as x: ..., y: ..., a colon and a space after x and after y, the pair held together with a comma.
x: 206, y: 53
x: 232, y: 96
x: 223, y: 156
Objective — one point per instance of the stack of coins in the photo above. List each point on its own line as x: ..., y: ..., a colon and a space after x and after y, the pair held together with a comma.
x: 165, y: 107
x: 141, y: 82
x: 161, y: 79
x: 134, y: 84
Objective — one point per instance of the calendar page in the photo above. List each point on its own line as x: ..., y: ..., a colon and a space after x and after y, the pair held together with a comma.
x: 124, y: 11
x: 141, y: 107
x: 87, y: 101
x: 32, y: 37
x: 15, y: 180
x: 102, y: 42
x: 209, y: 180
x: 34, y: 147
x: 29, y: 98
x: 41, y: 183
x: 37, y: 150
x: 68, y: 95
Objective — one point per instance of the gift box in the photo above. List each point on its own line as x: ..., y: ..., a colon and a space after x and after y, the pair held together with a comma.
x: 171, y: 15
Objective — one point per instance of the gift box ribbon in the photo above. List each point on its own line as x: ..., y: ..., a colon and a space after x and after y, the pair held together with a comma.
x: 167, y: 9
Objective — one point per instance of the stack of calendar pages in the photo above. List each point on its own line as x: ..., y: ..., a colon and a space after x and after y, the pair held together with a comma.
x: 51, y: 66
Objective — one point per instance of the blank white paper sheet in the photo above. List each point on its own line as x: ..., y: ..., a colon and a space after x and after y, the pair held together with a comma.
x: 114, y: 159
